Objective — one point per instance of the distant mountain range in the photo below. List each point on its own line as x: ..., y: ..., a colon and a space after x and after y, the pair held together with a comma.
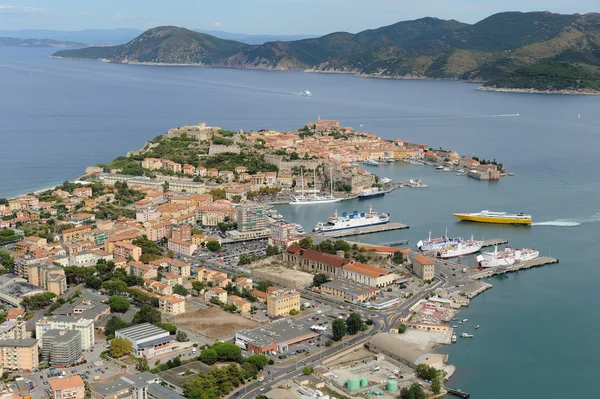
x: 14, y: 42
x: 124, y: 35
x: 535, y: 50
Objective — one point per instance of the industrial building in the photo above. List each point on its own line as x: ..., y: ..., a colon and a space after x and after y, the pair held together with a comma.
x: 349, y: 290
x: 275, y: 337
x: 146, y: 339
x: 14, y: 288
x: 61, y: 348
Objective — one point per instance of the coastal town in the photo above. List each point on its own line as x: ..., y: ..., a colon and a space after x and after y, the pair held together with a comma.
x: 169, y: 273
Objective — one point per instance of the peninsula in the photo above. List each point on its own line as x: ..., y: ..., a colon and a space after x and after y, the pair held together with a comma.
x: 533, y: 51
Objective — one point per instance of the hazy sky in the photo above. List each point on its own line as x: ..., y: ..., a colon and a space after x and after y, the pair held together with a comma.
x: 260, y: 16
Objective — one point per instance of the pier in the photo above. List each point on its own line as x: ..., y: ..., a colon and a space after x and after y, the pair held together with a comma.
x: 492, y: 271
x: 394, y: 243
x: 365, y: 230
x: 494, y: 241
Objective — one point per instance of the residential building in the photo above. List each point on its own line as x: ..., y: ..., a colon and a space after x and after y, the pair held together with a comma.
x: 232, y: 193
x: 49, y: 277
x: 19, y: 355
x: 76, y: 234
x: 423, y: 267
x: 70, y: 387
x: 215, y: 292
x: 172, y: 304
x: 182, y: 247
x: 147, y: 214
x: 158, y: 230
x: 61, y: 348
x: 146, y: 339
x: 243, y: 283
x: 13, y: 329
x: 141, y: 270
x: 349, y: 290
x: 127, y: 250
x: 82, y: 192
x: 240, y: 303
x: 75, y: 322
x: 182, y: 232
x: 158, y: 287
x: 282, y: 233
x: 369, y: 275
x: 251, y: 219
x: 81, y: 219
x: 281, y: 302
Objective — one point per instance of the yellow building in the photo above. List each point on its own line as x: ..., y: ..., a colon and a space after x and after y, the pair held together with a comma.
x: 281, y: 302
x: 172, y: 304
x: 19, y: 355
x: 423, y: 267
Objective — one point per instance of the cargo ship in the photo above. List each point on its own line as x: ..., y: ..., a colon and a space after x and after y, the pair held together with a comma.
x: 352, y: 221
x: 495, y: 217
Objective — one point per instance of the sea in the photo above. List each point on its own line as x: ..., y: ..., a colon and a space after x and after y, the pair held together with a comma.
x: 539, y: 328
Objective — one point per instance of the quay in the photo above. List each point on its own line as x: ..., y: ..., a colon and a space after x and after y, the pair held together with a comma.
x: 494, y: 241
x: 394, y: 243
x: 541, y: 261
x: 365, y: 230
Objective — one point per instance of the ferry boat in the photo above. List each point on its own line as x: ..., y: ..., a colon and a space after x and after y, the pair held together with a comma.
x: 416, y: 184
x: 385, y: 180
x: 437, y: 244
x: 460, y: 249
x: 495, y: 217
x: 371, y: 193
x: 352, y: 221
x: 507, y: 257
x: 371, y: 162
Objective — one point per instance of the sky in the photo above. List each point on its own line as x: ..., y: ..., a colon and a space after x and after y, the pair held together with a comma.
x: 307, y: 17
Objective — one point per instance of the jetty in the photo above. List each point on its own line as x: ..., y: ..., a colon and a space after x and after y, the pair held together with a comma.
x: 492, y: 271
x: 494, y: 241
x: 365, y: 230
x: 394, y: 243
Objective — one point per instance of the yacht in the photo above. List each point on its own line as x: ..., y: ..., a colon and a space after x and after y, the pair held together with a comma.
x: 416, y: 184
x: 314, y: 198
x: 305, y: 93
x: 371, y: 162
x: 465, y: 335
x: 385, y: 180
x: 453, y: 337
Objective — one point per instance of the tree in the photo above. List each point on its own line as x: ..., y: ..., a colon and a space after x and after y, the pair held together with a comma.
x: 37, y: 301
x: 209, y: 356
x: 401, y: 328
x: 306, y: 243
x: 119, y: 347
x: 181, y: 336
x: 244, y: 260
x: 338, y: 329
x: 398, y: 259
x: 213, y: 246
x: 293, y: 312
x: 414, y: 392
x: 260, y: 361
x: 198, y: 285
x: 227, y: 351
x: 354, y: 323
x: 93, y: 282
x: 115, y: 287
x: 180, y: 290
x: 272, y: 250
x: 307, y: 370
x: 426, y: 372
x: 436, y: 383
x: 118, y: 304
x: 171, y: 328
x: 147, y: 314
x: 113, y: 324
x: 142, y: 364
x: 319, y: 279
x: 263, y: 285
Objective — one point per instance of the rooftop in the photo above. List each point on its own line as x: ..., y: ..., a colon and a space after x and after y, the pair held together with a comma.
x: 350, y: 287
x: 367, y: 270
x: 176, y: 375
x: 140, y: 380
x: 158, y: 391
x: 64, y: 383
x: 278, y: 331
x: 144, y: 330
x: 27, y: 342
x: 317, y: 256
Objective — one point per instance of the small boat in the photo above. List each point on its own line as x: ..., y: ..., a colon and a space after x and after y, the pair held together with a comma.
x: 455, y: 318
x: 461, y: 173
x: 305, y: 93
x: 578, y: 116
x: 439, y: 168
x: 460, y: 322
x: 454, y: 326
x: 465, y: 320
x: 466, y: 335
x: 453, y: 337
x: 477, y: 326
x: 371, y: 162
x: 385, y: 180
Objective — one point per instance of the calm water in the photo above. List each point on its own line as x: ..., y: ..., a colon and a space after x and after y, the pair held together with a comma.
x: 538, y: 328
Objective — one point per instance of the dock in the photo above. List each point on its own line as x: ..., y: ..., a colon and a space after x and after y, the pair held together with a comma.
x: 494, y: 241
x: 394, y: 243
x: 365, y: 230
x: 492, y: 271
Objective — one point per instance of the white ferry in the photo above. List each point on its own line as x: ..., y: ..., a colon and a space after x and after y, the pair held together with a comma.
x: 352, y: 221
x: 437, y: 244
x: 508, y: 257
x: 460, y: 248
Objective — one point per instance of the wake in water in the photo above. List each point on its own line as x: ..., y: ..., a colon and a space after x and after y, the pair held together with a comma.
x: 569, y: 222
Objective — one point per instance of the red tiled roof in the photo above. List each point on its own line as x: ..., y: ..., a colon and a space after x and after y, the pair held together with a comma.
x: 317, y: 256
x: 367, y: 270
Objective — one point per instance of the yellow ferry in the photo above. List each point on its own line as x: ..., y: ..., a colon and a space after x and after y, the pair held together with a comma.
x: 495, y: 217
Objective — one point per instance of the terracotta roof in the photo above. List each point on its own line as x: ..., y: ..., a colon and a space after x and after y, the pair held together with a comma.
x: 367, y: 270
x: 77, y: 229
x: 67, y: 382
x: 423, y: 260
x: 317, y: 256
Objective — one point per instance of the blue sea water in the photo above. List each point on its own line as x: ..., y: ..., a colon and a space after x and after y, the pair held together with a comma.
x: 538, y: 328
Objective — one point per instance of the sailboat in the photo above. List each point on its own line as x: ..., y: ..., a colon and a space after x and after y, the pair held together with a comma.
x: 578, y: 116
x: 314, y: 198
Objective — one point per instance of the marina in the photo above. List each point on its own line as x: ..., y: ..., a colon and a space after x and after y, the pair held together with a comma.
x: 365, y: 230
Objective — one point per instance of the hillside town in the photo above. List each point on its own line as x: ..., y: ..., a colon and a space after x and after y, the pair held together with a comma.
x: 171, y: 263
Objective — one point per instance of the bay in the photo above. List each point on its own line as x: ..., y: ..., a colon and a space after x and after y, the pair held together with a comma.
x: 537, y: 335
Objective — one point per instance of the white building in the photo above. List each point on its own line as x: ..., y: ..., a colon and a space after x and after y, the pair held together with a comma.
x: 146, y: 339
x: 84, y: 326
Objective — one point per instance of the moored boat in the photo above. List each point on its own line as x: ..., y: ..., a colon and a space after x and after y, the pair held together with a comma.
x: 352, y: 221
x: 371, y: 193
x: 495, y: 217
x: 466, y: 335
x: 507, y: 257
x: 460, y: 248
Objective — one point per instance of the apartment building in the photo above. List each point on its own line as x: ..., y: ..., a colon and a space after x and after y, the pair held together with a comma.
x: 49, y: 277
x: 70, y: 387
x: 182, y: 247
x: 127, y: 250
x: 281, y: 302
x: 76, y: 234
x: 61, y: 348
x: 20, y: 355
x: 172, y: 304
x: 84, y: 326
